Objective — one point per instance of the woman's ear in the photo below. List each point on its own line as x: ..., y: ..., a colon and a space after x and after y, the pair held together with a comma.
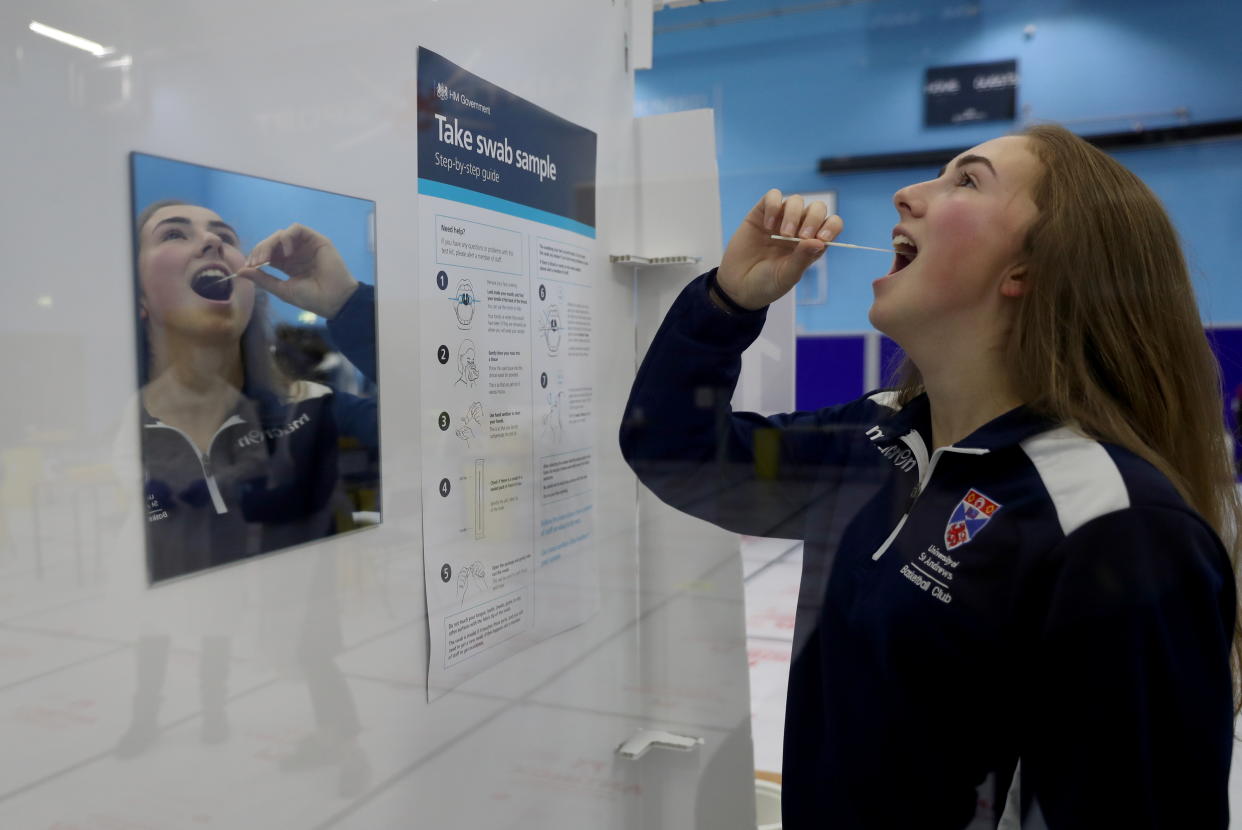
x: 1013, y: 282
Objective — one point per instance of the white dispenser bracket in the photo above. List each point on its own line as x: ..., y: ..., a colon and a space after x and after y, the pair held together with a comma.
x: 644, y: 739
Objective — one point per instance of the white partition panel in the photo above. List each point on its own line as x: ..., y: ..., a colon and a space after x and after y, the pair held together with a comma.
x: 320, y: 95
x: 693, y: 651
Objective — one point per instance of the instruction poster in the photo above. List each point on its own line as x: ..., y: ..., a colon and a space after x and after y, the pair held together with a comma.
x: 507, y: 310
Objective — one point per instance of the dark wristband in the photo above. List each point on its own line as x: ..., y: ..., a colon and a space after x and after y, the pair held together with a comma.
x: 730, y: 303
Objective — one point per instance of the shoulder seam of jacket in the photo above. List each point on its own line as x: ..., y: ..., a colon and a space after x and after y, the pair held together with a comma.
x: 305, y: 390
x: 887, y: 398
x: 1080, y: 476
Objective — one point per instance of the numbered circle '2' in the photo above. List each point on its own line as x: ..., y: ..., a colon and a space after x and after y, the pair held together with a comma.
x: 442, y: 354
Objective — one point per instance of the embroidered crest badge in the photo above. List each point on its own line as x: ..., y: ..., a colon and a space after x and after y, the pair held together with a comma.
x: 971, y: 514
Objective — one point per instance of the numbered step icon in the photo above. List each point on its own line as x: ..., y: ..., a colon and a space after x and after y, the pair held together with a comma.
x: 442, y: 281
x: 445, y: 487
x: 442, y: 354
x: 444, y: 421
x: 446, y: 573
x: 543, y: 379
x: 543, y: 292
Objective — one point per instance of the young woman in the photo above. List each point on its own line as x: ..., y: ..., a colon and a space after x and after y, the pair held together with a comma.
x: 1014, y: 587
x: 238, y: 460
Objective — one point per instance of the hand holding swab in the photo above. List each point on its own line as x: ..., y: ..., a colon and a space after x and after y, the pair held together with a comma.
x: 248, y: 268
x: 835, y: 244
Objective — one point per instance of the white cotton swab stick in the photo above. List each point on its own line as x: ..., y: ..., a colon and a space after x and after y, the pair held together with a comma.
x: 251, y: 268
x: 836, y: 244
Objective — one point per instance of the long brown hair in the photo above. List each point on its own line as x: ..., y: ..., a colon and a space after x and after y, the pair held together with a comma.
x: 1108, y: 333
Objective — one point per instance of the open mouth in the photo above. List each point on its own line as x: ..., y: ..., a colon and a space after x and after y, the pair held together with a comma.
x: 906, y: 252
x: 212, y: 284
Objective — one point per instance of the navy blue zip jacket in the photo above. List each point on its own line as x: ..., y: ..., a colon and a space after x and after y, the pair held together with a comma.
x: 266, y: 480
x: 1028, y: 616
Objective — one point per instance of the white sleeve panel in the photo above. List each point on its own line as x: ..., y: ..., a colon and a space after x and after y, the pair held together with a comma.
x: 1079, y: 474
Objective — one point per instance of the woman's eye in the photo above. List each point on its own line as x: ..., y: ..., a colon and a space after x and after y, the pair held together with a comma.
x: 172, y: 233
x: 964, y: 180
x: 228, y: 239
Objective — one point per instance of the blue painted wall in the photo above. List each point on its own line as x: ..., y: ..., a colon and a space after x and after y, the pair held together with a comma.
x: 789, y: 90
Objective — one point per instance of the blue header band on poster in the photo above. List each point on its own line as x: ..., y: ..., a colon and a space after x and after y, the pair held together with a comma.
x: 440, y: 190
x: 480, y: 139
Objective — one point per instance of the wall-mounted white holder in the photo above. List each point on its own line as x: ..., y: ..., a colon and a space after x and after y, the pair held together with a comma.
x: 644, y: 739
x: 633, y: 259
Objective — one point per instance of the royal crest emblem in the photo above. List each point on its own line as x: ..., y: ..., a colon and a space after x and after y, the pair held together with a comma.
x: 971, y: 514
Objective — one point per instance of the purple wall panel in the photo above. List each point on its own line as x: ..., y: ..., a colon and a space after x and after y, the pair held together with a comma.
x: 891, y: 356
x: 828, y: 370
x: 1227, y: 344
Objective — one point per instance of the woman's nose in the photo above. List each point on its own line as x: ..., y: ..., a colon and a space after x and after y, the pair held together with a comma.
x: 212, y: 242
x: 909, y: 200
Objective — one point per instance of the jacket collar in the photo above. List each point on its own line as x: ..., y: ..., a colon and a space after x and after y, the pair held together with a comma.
x: 255, y: 405
x: 1005, y: 430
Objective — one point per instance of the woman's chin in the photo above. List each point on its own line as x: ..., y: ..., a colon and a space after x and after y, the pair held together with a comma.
x: 218, y: 324
x: 892, y: 324
x: 879, y: 319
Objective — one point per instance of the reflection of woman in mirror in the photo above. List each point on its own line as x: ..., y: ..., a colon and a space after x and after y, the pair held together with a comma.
x: 238, y: 459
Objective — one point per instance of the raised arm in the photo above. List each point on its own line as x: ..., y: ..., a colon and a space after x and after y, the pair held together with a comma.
x: 741, y: 471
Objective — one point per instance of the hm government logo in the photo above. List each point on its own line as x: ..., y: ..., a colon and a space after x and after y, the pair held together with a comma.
x: 446, y: 93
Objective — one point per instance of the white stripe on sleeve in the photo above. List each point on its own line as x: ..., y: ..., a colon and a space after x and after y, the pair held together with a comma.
x: 1081, y: 478
x: 888, y: 399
